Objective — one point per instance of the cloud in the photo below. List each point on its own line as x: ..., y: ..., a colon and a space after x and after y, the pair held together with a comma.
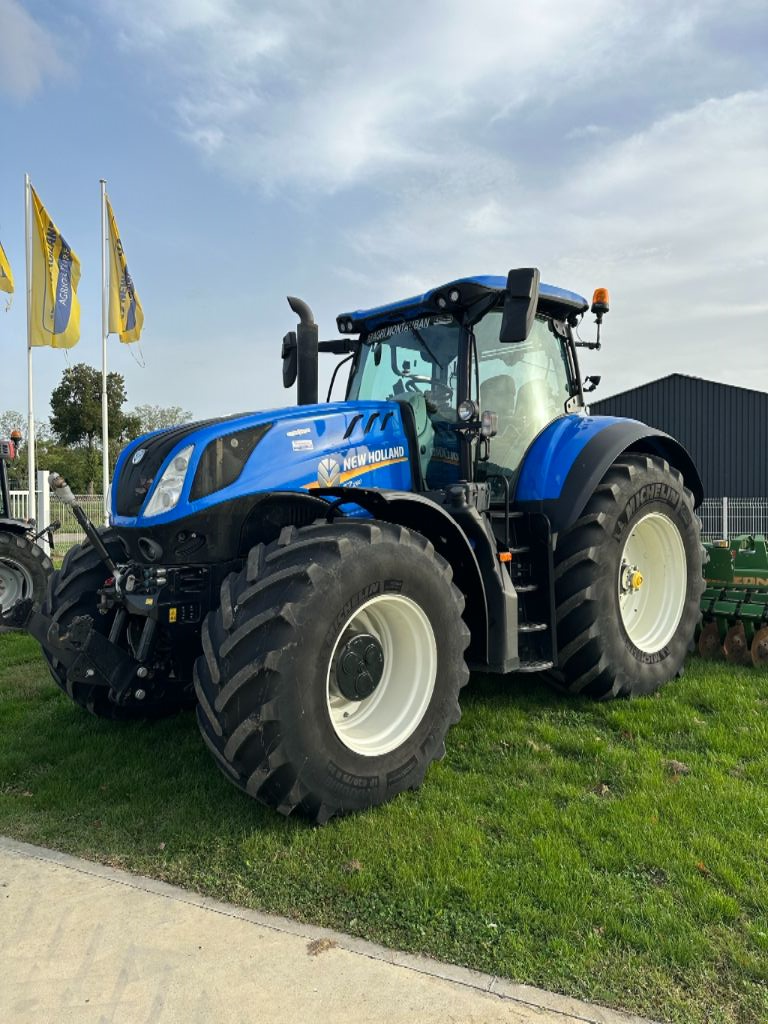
x: 28, y: 54
x: 607, y: 142
x: 674, y: 218
x: 326, y: 96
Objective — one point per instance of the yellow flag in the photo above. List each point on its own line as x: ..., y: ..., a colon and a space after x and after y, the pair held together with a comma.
x: 55, y: 315
x: 6, y: 277
x: 126, y: 317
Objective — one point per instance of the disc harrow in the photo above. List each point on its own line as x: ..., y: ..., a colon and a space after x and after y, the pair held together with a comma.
x: 734, y: 604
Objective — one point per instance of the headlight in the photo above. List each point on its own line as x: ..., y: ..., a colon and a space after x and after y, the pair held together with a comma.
x: 468, y: 410
x: 168, y: 488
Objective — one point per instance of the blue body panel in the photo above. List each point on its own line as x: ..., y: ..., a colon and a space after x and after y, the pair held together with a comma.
x: 552, y: 455
x: 369, y: 319
x: 289, y: 456
x: 306, y: 448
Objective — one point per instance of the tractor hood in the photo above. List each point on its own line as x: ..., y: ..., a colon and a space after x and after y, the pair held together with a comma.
x: 170, y: 474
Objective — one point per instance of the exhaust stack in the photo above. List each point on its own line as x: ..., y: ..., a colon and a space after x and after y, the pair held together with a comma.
x: 306, y: 352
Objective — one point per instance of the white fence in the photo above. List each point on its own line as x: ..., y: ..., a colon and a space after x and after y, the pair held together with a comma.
x: 50, y: 509
x: 20, y: 503
x: 725, y: 517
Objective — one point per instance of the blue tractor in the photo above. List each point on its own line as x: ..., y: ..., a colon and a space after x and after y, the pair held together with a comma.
x: 319, y: 579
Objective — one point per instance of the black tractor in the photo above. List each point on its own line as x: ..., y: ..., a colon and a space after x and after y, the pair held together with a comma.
x: 24, y: 565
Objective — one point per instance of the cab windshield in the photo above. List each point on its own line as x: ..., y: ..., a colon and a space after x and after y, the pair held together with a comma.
x: 417, y: 362
x: 415, y: 358
x: 527, y: 384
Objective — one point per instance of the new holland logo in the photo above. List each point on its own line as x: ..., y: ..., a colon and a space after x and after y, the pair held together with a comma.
x: 138, y: 456
x: 338, y: 470
x: 328, y: 472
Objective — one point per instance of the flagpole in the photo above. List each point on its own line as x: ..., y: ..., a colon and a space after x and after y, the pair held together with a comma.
x: 104, y: 335
x: 31, y: 475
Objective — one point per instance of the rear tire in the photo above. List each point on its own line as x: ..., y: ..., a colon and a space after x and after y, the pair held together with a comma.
x: 628, y: 580
x: 24, y: 570
x: 332, y: 668
x: 72, y: 591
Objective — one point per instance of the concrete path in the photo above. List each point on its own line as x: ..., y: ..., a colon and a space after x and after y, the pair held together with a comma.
x: 86, y: 944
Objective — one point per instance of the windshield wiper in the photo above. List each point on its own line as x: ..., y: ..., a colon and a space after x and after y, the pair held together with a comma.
x: 422, y: 341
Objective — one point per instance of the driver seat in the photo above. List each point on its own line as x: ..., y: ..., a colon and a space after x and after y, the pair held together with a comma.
x: 497, y: 394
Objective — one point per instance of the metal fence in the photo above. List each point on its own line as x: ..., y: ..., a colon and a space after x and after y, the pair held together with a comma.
x: 70, y: 532
x: 725, y: 517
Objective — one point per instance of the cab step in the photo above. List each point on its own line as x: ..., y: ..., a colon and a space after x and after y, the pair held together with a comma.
x: 535, y: 666
x: 531, y: 627
x: 525, y: 588
x: 499, y: 513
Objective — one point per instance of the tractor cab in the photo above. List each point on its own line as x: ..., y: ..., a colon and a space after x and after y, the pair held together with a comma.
x: 478, y: 386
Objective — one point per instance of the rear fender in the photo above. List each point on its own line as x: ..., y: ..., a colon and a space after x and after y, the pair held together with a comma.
x: 569, y: 458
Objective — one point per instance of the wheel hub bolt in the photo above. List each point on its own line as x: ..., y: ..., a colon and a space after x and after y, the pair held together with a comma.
x: 631, y: 578
x: 359, y: 667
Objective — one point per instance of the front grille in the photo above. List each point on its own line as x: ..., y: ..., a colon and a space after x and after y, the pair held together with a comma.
x: 135, y: 480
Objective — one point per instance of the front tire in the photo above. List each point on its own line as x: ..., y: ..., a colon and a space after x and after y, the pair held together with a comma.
x: 332, y: 668
x: 628, y: 580
x: 24, y: 570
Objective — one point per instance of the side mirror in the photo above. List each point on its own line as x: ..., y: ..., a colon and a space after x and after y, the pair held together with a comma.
x: 290, y: 359
x: 590, y: 383
x: 520, y: 301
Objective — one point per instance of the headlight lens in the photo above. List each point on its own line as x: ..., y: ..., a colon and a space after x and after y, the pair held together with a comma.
x: 468, y: 410
x: 168, y: 489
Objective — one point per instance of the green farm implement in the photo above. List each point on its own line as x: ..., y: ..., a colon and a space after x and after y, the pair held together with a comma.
x: 734, y: 604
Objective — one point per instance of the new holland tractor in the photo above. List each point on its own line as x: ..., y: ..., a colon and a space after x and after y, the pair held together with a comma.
x: 319, y: 579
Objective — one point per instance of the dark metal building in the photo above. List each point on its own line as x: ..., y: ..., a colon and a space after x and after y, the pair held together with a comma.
x: 725, y: 428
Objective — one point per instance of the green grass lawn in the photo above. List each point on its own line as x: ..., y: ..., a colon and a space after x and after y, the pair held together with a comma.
x: 555, y: 844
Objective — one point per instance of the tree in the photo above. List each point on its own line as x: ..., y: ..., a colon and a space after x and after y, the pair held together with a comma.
x: 76, y: 413
x: 76, y: 406
x: 11, y: 420
x: 71, y: 462
x: 159, y: 417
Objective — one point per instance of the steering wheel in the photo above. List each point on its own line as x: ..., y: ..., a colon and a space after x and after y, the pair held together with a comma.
x: 444, y: 392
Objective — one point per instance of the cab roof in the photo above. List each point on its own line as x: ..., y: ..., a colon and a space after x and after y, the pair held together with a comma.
x: 552, y: 300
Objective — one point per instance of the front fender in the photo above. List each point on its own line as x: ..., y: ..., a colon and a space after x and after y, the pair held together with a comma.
x: 419, y: 513
x: 569, y: 458
x: 13, y: 526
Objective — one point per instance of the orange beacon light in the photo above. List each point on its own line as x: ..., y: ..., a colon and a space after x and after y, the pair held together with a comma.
x: 600, y: 303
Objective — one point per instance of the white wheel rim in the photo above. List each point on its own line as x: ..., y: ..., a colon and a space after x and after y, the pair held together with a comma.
x: 385, y: 719
x: 15, y: 584
x: 651, y: 609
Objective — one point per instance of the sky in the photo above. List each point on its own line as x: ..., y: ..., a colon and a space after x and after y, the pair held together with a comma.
x: 354, y: 153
